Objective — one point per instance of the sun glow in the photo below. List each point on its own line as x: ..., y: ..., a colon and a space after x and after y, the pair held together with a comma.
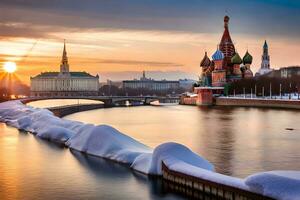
x: 10, y: 67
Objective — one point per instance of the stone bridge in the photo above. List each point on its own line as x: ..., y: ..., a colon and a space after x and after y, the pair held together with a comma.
x: 110, y: 101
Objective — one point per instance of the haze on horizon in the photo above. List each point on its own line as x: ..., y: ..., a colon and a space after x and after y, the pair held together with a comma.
x: 118, y: 39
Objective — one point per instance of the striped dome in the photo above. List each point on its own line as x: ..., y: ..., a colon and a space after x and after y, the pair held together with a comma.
x: 205, y: 61
x: 218, y: 55
x: 247, y: 58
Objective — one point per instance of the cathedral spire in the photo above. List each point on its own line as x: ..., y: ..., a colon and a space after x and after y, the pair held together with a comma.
x: 226, y: 44
x: 64, y: 66
x: 64, y: 59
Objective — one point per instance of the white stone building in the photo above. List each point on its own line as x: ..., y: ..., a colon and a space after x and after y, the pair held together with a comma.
x: 64, y: 83
x: 150, y: 84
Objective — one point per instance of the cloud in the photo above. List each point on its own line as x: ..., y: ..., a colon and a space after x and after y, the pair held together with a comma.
x: 270, y: 17
x: 9, y: 30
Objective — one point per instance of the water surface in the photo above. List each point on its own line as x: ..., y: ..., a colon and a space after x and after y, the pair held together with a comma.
x: 31, y: 168
x: 61, y: 102
x: 238, y: 141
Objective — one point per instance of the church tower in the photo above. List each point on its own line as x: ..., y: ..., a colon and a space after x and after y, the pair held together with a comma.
x: 265, y: 61
x: 226, y: 44
x: 64, y: 66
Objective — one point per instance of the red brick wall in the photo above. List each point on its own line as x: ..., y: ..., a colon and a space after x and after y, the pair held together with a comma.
x: 268, y: 103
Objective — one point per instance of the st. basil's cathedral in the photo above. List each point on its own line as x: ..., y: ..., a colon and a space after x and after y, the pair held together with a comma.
x: 226, y: 64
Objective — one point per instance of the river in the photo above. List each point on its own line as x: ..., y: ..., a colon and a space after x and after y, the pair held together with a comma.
x: 31, y: 168
x: 238, y: 141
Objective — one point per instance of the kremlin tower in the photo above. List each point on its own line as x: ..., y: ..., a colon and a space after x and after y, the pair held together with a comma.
x: 265, y: 61
x: 226, y: 64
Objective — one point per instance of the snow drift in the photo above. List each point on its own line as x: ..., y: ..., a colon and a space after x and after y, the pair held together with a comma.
x: 56, y: 134
x: 169, y: 153
x: 283, y: 185
x: 106, y: 142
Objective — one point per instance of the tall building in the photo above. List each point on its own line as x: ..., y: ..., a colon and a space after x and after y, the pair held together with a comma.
x: 226, y: 64
x: 265, y: 61
x: 64, y: 82
x: 151, y: 84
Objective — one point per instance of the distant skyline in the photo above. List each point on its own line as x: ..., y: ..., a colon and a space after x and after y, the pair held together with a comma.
x: 118, y: 39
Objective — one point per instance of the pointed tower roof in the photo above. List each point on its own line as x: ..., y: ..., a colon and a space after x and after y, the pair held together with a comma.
x: 226, y: 44
x: 265, y: 45
x: 64, y: 59
x: 205, y: 61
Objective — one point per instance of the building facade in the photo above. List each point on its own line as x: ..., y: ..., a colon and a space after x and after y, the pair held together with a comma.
x: 289, y: 72
x: 265, y: 61
x: 151, y: 84
x: 226, y: 64
x: 64, y: 82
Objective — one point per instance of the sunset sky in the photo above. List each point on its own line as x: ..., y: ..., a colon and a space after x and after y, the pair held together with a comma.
x: 119, y: 38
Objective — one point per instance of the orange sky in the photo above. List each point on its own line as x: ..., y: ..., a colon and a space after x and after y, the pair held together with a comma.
x: 108, y: 52
x: 117, y: 45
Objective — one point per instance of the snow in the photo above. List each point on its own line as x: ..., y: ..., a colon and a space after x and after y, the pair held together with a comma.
x: 107, y: 142
x: 283, y: 185
x: 56, y: 134
x: 205, y: 174
x: 171, y: 153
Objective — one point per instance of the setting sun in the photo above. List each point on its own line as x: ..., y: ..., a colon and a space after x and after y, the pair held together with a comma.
x: 10, y: 67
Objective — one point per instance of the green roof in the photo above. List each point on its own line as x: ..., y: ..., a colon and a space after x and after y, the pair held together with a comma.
x: 80, y: 74
x: 55, y: 74
x: 236, y: 59
x: 247, y: 58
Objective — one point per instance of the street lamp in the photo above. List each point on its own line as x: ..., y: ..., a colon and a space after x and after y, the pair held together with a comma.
x: 270, y: 90
x: 280, y: 91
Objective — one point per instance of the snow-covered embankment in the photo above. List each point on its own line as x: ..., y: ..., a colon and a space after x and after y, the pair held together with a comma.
x: 106, y: 142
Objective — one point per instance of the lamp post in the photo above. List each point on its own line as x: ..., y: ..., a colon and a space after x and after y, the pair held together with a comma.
x: 270, y: 90
x: 280, y: 91
x: 290, y: 91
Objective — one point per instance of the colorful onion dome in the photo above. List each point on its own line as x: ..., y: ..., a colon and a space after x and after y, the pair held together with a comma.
x: 205, y: 61
x: 236, y: 59
x: 218, y: 55
x: 247, y: 58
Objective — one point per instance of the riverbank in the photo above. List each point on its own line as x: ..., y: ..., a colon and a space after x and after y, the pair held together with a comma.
x: 114, y: 145
x: 244, y: 102
x: 257, y: 102
x: 61, y: 111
